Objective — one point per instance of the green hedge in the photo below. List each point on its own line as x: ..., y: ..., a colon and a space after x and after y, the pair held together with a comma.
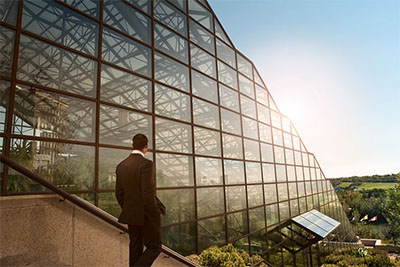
x: 226, y: 256
x: 359, y: 257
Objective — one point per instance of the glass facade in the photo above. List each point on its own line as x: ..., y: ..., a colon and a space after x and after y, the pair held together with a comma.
x: 80, y: 78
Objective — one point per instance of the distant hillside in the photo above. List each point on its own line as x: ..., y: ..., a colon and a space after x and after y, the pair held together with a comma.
x: 387, y: 178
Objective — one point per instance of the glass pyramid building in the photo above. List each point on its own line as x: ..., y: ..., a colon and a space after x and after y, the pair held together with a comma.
x: 80, y: 77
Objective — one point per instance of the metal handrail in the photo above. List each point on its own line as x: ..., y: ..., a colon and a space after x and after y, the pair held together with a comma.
x: 86, y: 206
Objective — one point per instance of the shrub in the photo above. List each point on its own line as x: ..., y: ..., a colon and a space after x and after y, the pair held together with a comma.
x: 359, y: 257
x: 226, y: 256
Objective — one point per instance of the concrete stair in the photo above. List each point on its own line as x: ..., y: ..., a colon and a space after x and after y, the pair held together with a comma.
x: 41, y: 230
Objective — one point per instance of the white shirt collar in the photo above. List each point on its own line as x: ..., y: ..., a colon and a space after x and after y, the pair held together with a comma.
x: 135, y: 151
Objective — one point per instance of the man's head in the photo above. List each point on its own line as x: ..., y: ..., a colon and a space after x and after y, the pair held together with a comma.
x: 140, y: 142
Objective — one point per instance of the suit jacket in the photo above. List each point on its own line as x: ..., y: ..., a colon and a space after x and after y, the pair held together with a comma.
x: 135, y: 190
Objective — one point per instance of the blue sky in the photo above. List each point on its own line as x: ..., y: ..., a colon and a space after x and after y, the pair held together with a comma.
x: 334, y: 68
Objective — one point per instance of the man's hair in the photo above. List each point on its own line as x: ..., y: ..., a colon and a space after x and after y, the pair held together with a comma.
x: 139, y: 141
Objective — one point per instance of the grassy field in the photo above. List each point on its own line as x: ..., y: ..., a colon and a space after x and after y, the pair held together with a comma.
x: 384, y: 186
x: 344, y: 184
x: 369, y: 186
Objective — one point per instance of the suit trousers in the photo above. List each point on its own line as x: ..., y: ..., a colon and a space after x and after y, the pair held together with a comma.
x: 148, y: 235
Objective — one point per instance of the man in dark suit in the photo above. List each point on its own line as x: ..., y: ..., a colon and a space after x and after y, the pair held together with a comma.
x: 136, y: 194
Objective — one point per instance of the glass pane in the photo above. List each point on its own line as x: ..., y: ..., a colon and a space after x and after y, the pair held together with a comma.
x: 181, y: 238
x: 127, y: 19
x: 4, y: 98
x: 210, y: 201
x: 125, y: 89
x: 68, y: 166
x: 299, y: 174
x: 252, y: 150
x: 235, y: 198
x: 179, y: 203
x: 253, y: 172
x: 294, y: 207
x: 9, y: 11
x: 169, y: 15
x: 255, y: 195
x: 46, y: 114
x: 272, y: 214
x: 290, y: 173
x: 170, y: 43
x: 201, y: 37
x: 208, y: 171
x: 250, y: 128
x: 282, y: 192
x: 270, y: 193
x: 234, y: 172
x: 306, y: 173
x: 204, y: 87
x: 248, y: 107
x: 174, y: 170
x: 297, y: 158
x: 232, y: 146
x: 245, y: 66
x: 201, y: 15
x: 268, y: 173
x: 203, y: 61
x: 50, y: 66
x: 109, y: 158
x: 226, y: 54
x: 211, y: 232
x: 171, y: 72
x: 277, y: 136
x: 207, y: 142
x: 284, y: 210
x: 205, y: 114
x: 308, y: 188
x: 265, y: 133
x: 60, y: 24
x: 300, y: 187
x: 289, y: 156
x: 276, y: 119
x: 305, y: 160
x: 263, y: 114
x: 280, y: 173
x: 7, y: 39
x: 173, y: 136
x: 172, y: 103
x: 261, y: 95
x: 296, y: 143
x: 246, y: 86
x: 118, y: 126
x: 230, y: 122
x: 108, y: 203
x: 267, y: 153
x: 237, y: 225
x: 227, y: 75
x: 229, y: 98
x: 257, y: 220
x: 126, y: 53
x: 279, y: 156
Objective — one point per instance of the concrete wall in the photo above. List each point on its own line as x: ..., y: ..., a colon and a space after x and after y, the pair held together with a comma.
x: 41, y: 230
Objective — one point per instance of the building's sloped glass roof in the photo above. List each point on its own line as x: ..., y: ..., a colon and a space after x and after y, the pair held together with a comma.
x: 317, y: 222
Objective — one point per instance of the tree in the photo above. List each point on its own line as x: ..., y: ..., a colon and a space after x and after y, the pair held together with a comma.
x: 391, y: 211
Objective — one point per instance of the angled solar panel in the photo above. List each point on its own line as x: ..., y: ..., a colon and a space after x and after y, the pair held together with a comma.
x: 317, y: 222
